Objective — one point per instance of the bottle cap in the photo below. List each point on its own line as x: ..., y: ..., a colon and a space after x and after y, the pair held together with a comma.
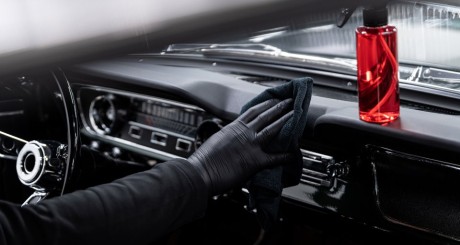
x: 375, y: 17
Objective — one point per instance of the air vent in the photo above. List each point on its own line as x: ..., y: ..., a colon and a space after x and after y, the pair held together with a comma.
x: 263, y: 80
x: 322, y: 170
x: 429, y: 108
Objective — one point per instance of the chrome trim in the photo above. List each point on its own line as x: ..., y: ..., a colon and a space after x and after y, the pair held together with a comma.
x: 41, y: 155
x: 161, y: 130
x: 307, y: 179
x: 140, y: 96
x: 259, y: 50
x: 314, y: 173
x: 304, y: 70
x: 189, y: 143
x: 280, y: 56
x: 91, y: 118
x: 11, y: 113
x: 329, y: 177
x: 126, y: 143
x: 455, y: 92
x: 312, y: 154
x: 13, y: 137
x: 154, y: 141
x: 7, y: 157
x: 37, y: 194
x: 242, y: 46
x: 131, y: 127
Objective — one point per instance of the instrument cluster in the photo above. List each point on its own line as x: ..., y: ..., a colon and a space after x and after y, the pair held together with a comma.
x: 162, y: 127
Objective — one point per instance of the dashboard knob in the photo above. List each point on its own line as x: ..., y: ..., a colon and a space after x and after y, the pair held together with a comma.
x: 205, y: 130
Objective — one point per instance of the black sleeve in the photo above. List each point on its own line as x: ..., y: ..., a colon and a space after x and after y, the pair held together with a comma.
x: 136, y: 209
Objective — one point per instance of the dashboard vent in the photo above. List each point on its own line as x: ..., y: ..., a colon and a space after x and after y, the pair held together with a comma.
x: 322, y: 170
x: 263, y: 80
x: 429, y: 108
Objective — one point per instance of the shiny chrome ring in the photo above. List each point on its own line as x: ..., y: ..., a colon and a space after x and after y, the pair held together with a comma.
x: 31, y: 162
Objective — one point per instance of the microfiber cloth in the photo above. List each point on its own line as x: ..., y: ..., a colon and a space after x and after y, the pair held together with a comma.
x: 266, y: 186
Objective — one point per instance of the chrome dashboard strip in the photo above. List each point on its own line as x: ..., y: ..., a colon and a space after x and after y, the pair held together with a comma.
x: 122, y: 142
x: 140, y: 96
x: 161, y: 130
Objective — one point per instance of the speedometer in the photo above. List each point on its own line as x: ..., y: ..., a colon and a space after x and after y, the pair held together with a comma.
x: 102, y: 114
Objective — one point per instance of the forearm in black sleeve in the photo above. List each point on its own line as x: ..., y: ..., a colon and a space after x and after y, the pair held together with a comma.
x: 136, y: 209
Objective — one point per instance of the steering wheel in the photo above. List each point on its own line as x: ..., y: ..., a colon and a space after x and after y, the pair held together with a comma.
x: 46, y: 166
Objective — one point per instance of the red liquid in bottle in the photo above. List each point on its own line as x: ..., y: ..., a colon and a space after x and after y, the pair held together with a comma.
x: 378, y: 77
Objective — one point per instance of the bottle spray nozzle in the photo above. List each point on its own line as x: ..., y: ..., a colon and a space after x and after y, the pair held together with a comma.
x: 375, y: 17
x: 375, y: 14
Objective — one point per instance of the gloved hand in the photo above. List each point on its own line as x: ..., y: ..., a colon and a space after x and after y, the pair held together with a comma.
x: 236, y: 152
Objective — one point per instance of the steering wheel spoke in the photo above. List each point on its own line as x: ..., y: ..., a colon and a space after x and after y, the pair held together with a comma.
x: 36, y: 197
x: 8, y: 157
x: 9, y: 143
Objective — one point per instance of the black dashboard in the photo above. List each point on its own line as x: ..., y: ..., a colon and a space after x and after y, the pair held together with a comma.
x: 95, y: 114
x: 383, y: 175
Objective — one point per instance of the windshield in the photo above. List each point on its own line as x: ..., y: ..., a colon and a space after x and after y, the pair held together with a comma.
x: 428, y: 40
x: 427, y: 34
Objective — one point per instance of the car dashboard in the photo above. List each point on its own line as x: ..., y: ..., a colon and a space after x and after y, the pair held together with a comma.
x: 361, y: 183
x: 395, y: 180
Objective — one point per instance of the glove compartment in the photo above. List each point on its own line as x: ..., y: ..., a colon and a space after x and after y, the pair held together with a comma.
x: 417, y: 192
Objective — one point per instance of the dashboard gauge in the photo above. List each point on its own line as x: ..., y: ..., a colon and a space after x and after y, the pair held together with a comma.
x: 102, y: 114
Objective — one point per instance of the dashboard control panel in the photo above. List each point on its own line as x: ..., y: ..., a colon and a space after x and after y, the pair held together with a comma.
x: 156, y: 125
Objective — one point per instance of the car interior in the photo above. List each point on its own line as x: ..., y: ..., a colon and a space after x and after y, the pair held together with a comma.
x: 161, y: 91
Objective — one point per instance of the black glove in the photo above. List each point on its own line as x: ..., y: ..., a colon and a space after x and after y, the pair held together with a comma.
x: 235, y: 153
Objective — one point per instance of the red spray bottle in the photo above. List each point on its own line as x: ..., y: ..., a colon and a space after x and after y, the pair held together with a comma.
x: 378, y: 76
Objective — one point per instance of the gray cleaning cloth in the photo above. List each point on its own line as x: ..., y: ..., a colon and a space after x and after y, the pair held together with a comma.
x: 266, y: 186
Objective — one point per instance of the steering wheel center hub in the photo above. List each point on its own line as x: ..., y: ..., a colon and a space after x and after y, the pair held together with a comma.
x: 31, y: 162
